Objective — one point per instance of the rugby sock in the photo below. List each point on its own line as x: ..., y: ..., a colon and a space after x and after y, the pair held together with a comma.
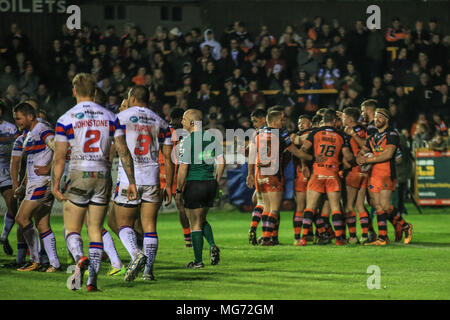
x: 338, y: 223
x: 266, y: 233
x: 276, y: 226
x: 320, y: 224
x: 42, y: 253
x: 350, y: 220
x: 9, y: 223
x: 364, y: 221
x: 48, y: 238
x: 307, y: 222
x: 272, y: 220
x: 29, y: 233
x: 95, y: 260
x: 110, y: 249
x: 21, y: 253
x: 75, y: 245
x: 150, y: 249
x: 256, y: 217
x: 129, y: 241
x: 208, y: 233
x: 391, y: 215
x: 187, y: 234
x: 297, y: 222
x: 382, y: 225
x: 197, y: 244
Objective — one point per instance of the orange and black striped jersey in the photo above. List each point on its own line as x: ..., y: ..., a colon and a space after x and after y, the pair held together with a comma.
x: 328, y: 143
x: 271, y: 156
x: 296, y: 161
x: 377, y: 144
x: 354, y: 146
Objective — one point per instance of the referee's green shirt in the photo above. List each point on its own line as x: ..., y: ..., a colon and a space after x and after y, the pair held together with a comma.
x: 199, y: 150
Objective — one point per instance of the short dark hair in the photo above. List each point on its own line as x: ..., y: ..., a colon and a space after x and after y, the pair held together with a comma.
x: 305, y: 116
x: 352, y: 112
x: 371, y: 103
x: 25, y: 109
x: 273, y: 115
x: 100, y: 96
x: 329, y: 116
x: 140, y: 93
x: 316, y: 119
x: 176, y: 113
x: 259, y: 113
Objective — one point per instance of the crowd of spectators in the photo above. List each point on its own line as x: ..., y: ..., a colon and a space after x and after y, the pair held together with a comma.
x: 406, y: 68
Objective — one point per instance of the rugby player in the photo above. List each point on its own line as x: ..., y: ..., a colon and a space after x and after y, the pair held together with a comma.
x: 38, y: 147
x: 382, y: 180
x: 300, y: 181
x: 145, y: 132
x: 88, y: 130
x: 176, y: 115
x: 258, y: 117
x: 197, y: 185
x: 327, y: 145
x: 267, y: 154
x: 8, y: 134
x: 355, y: 179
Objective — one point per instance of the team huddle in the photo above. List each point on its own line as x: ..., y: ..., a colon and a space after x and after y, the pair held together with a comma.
x: 73, y: 162
x: 339, y: 163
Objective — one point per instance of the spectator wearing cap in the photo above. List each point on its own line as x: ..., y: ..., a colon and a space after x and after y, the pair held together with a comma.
x: 212, y: 43
x: 395, y: 33
x: 253, y: 97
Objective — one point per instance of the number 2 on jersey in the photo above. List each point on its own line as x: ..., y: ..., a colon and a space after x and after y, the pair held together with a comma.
x: 143, y: 144
x: 93, y: 136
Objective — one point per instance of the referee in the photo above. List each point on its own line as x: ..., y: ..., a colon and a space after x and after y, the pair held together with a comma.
x: 197, y: 184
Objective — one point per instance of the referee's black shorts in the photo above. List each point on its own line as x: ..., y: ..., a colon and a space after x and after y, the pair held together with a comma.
x: 199, y: 194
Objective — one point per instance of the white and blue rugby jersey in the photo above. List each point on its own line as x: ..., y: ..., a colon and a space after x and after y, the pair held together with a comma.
x: 36, y: 147
x: 89, y: 129
x: 8, y: 133
x: 145, y: 131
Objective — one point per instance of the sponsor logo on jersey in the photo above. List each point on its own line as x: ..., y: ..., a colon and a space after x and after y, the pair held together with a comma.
x: 79, y: 115
x: 134, y: 119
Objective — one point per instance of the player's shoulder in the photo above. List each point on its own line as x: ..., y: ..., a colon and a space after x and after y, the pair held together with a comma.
x: 7, y: 125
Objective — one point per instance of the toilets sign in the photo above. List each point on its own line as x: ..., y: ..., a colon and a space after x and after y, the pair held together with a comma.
x: 33, y: 6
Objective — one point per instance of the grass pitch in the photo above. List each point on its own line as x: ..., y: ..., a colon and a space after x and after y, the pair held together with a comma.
x: 416, y: 271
